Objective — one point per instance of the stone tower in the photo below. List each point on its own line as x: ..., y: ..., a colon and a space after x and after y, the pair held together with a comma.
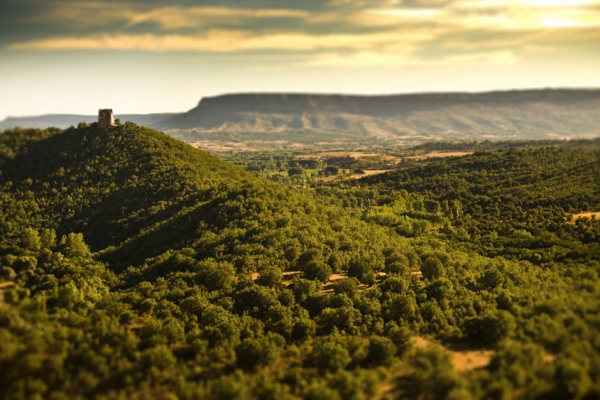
x: 106, y: 117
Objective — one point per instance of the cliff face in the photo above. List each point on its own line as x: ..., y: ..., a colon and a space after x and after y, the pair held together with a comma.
x: 540, y: 112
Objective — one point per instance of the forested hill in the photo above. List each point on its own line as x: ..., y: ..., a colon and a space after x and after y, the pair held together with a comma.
x: 535, y: 114
x: 135, y: 193
x: 513, y: 202
x: 110, y: 184
x: 134, y: 266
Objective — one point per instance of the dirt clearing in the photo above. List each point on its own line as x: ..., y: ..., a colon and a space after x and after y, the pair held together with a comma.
x: 463, y: 358
x: 440, y: 155
x: 590, y: 215
x: 370, y: 172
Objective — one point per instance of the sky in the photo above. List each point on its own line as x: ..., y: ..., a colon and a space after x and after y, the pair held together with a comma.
x: 144, y: 56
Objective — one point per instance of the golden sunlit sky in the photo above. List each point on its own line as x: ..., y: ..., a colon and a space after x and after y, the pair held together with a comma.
x: 148, y: 56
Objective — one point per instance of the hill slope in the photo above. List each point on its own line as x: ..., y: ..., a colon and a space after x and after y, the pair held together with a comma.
x: 524, y: 114
x: 206, y: 281
x: 135, y: 193
x: 511, y: 200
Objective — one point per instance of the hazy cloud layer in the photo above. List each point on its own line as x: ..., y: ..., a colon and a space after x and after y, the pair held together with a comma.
x: 338, y: 32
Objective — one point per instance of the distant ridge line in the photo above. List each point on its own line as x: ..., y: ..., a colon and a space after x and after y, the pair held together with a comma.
x: 549, y: 113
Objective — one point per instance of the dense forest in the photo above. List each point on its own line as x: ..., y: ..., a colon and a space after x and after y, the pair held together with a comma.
x: 134, y: 266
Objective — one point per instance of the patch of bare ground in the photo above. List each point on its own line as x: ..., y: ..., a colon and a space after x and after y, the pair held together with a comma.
x: 590, y: 215
x: 352, y: 154
x: 371, y: 172
x: 4, y: 287
x: 464, y: 357
x: 422, y: 342
x: 439, y: 154
x: 337, y: 277
x: 209, y: 145
x: 328, y: 287
x: 468, y: 360
x: 328, y: 178
x: 288, y: 277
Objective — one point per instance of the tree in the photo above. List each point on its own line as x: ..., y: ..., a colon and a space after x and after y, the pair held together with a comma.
x: 316, y: 270
x: 31, y: 240
x: 331, y: 356
x: 381, y: 350
x: 489, y: 329
x: 432, y: 268
x: 254, y: 352
x: 362, y: 270
x: 347, y: 286
x: 270, y: 277
x: 402, y: 307
x: 332, y: 170
x: 303, y: 329
x: 74, y: 246
x: 295, y: 171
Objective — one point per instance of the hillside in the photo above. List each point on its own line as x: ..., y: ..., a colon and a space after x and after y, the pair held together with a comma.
x: 137, y: 192
x: 135, y: 266
x: 520, y: 114
x: 513, y: 202
x: 65, y: 120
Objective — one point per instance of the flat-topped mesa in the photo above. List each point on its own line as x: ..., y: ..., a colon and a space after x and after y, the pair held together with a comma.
x: 548, y: 113
x: 106, y: 117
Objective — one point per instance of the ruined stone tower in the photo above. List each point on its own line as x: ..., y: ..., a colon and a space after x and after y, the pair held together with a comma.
x: 106, y: 117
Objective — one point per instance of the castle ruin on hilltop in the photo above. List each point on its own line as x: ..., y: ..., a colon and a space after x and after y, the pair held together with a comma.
x: 106, y: 117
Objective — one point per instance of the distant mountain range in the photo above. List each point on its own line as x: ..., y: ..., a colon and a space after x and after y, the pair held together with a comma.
x: 66, y: 120
x: 531, y: 114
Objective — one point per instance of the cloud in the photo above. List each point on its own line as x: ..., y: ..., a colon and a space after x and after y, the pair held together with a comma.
x: 493, y: 58
x: 339, y: 33
x: 97, y: 13
x: 177, y: 17
x: 361, y: 59
x: 224, y: 41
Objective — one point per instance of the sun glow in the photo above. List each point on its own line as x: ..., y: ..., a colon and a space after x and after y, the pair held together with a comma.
x: 559, y: 3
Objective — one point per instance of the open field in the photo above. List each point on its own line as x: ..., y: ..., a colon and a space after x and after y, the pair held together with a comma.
x: 439, y: 154
x: 352, y: 154
x: 371, y: 173
x: 590, y: 215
